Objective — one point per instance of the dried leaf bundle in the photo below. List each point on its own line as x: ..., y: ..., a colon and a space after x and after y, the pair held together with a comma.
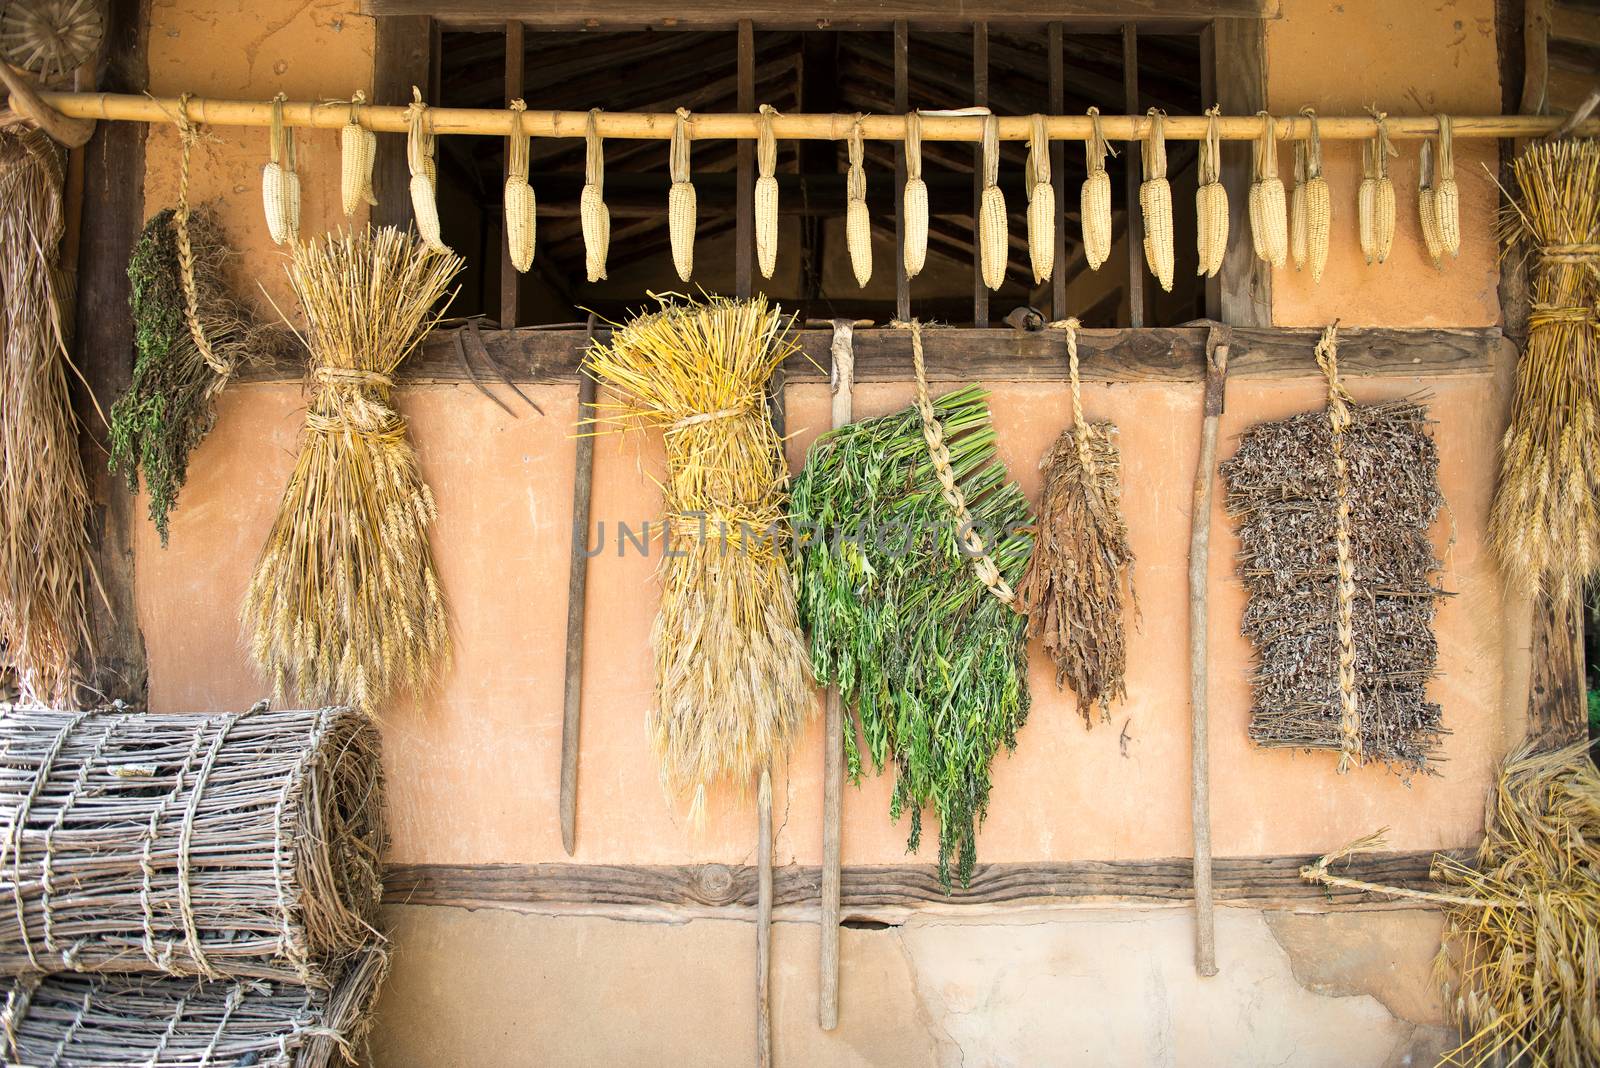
x: 345, y: 603
x: 1283, y: 491
x: 75, y: 1020
x: 239, y: 845
x: 732, y: 682
x: 1080, y: 575
x: 1545, y: 524
x: 934, y: 663
x: 44, y: 544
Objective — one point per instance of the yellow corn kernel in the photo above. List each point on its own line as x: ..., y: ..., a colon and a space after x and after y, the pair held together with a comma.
x: 520, y: 214
x: 916, y: 224
x: 994, y: 248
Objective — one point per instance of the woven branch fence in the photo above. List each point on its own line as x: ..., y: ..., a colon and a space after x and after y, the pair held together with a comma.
x: 237, y: 845
x: 78, y: 1021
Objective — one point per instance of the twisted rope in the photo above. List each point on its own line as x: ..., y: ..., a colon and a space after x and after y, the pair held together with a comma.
x: 933, y: 433
x: 1327, y: 352
x: 187, y: 135
x: 19, y: 823
x: 1080, y: 426
x: 1318, y: 873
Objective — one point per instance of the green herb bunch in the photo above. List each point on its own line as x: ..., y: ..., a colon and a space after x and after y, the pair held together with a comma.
x: 934, y: 665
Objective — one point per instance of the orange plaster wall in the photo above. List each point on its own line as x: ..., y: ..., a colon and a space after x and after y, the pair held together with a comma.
x: 473, y: 768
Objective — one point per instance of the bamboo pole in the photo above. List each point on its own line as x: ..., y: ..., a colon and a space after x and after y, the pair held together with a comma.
x: 936, y: 126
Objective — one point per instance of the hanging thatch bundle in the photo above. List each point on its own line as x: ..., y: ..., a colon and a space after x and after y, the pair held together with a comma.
x: 345, y: 603
x: 240, y: 845
x: 1334, y: 509
x: 1081, y: 570
x: 732, y: 684
x: 1546, y: 519
x: 44, y: 501
x: 905, y: 584
x: 79, y: 1021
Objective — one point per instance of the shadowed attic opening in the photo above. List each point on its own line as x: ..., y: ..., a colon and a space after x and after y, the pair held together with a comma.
x: 809, y: 71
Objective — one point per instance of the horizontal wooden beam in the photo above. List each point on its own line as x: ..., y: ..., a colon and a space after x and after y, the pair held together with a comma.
x: 888, y: 891
x: 1155, y: 354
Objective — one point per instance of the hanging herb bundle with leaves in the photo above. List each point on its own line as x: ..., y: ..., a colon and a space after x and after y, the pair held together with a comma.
x: 1081, y: 570
x: 909, y: 607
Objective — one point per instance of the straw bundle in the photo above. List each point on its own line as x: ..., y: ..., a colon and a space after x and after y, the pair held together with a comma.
x: 44, y: 546
x: 1081, y: 569
x: 345, y: 603
x: 81, y: 1021
x: 1546, y: 519
x: 910, y: 608
x: 239, y: 845
x: 1334, y: 509
x: 732, y: 684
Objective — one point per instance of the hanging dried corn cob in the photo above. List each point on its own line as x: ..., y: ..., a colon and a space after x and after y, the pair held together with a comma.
x: 680, y: 199
x: 358, y: 148
x: 593, y: 214
x: 1269, y: 225
x: 857, y: 225
x: 1041, y: 205
x: 1427, y: 206
x: 994, y: 244
x: 1155, y: 202
x: 280, y: 185
x: 1080, y: 575
x: 1094, y: 202
x: 520, y: 206
x: 1375, y: 200
x: 915, y: 252
x: 1211, y: 201
x: 766, y: 208
x: 1446, y: 198
x: 419, y: 157
x: 1312, y: 212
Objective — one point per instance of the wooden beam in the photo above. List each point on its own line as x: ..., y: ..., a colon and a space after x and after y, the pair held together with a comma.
x: 1164, y: 354
x: 401, y: 51
x: 1536, y: 68
x: 1239, y: 69
x: 510, y: 280
x: 112, y: 216
x: 893, y: 891
x: 1578, y: 25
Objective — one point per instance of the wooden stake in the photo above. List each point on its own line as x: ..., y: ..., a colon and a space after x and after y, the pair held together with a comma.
x: 577, y: 587
x: 764, y: 923
x: 1205, y: 943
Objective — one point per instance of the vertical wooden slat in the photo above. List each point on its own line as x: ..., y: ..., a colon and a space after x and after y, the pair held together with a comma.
x: 400, y: 54
x: 1212, y: 286
x: 510, y: 280
x: 980, y: 98
x: 902, y: 104
x: 1058, y: 180
x: 744, y: 197
x: 577, y: 605
x: 1133, y: 167
x: 1239, y: 66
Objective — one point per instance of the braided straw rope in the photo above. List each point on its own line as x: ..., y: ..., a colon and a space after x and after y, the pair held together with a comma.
x: 1339, y: 419
x: 933, y: 433
x: 1318, y: 873
x: 180, y: 225
x: 1080, y: 426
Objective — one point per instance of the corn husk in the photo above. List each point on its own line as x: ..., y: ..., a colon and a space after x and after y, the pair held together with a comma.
x: 915, y: 253
x: 857, y: 223
x: 1211, y: 202
x: 766, y: 195
x: 1094, y: 201
x: 681, y: 207
x: 1041, y: 205
x: 593, y: 215
x: 1155, y: 203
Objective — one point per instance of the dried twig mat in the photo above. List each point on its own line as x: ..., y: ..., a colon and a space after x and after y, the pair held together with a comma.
x: 1081, y: 570
x: 238, y: 845
x: 85, y: 1021
x: 1334, y: 509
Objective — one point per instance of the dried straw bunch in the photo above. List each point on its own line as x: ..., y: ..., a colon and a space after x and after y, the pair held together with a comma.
x: 1334, y: 509
x: 994, y: 245
x: 1094, y: 201
x: 1211, y: 201
x: 1546, y: 519
x: 857, y: 223
x: 44, y: 545
x: 167, y: 410
x: 72, y: 1020
x: 732, y: 682
x: 910, y: 608
x: 345, y: 603
x: 1155, y: 202
x: 240, y: 845
x: 1079, y: 579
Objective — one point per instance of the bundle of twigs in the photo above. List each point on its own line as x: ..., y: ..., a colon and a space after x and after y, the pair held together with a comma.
x: 1334, y: 509
x: 345, y: 604
x: 732, y: 682
x: 167, y: 409
x: 44, y: 502
x: 241, y: 845
x: 85, y: 1021
x: 1081, y: 569
x: 1546, y: 519
x: 920, y: 641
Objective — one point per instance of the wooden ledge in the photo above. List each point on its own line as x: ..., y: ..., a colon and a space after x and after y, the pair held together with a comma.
x: 1150, y: 355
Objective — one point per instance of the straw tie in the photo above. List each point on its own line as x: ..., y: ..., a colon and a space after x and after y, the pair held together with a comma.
x: 933, y: 433
x: 1080, y: 426
x: 180, y: 220
x: 1327, y: 353
x: 13, y: 840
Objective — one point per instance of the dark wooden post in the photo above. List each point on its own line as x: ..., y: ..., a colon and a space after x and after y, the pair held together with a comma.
x: 902, y: 104
x: 510, y: 280
x: 1133, y: 165
x: 1058, y: 179
x: 980, y: 98
x: 744, y: 229
x: 401, y: 57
